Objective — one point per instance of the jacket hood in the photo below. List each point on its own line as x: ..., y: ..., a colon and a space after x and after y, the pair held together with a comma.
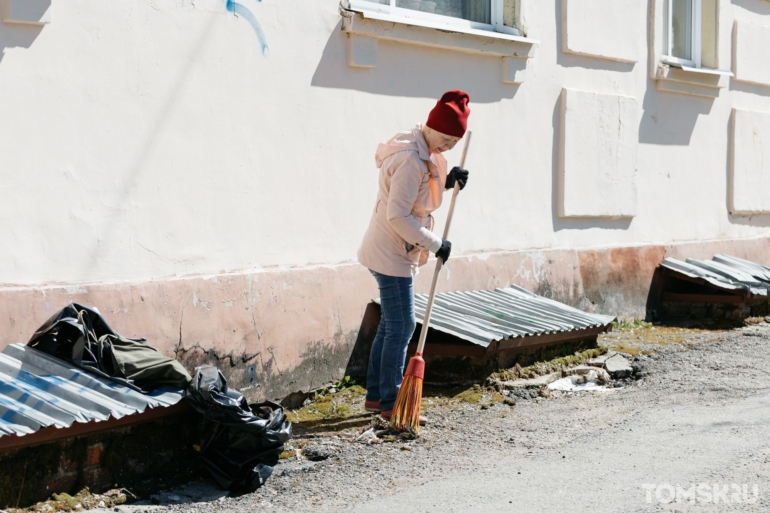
x: 411, y: 140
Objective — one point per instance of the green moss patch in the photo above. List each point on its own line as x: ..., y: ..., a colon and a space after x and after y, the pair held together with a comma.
x: 83, y: 500
x: 547, y: 367
x: 326, y: 406
x: 473, y: 395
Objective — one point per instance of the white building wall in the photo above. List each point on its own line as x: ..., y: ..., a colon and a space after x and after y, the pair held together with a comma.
x: 151, y: 139
x: 148, y: 139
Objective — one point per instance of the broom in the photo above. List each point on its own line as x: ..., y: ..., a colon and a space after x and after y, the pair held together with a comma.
x: 406, y: 411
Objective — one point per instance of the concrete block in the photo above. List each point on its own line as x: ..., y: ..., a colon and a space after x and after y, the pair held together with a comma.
x: 514, y: 70
x: 27, y: 12
x: 598, y: 154
x: 600, y: 360
x: 581, y: 370
x: 537, y: 382
x: 618, y: 367
x: 607, y: 29
x: 362, y: 51
x: 750, y: 62
x: 601, y: 376
x: 750, y: 163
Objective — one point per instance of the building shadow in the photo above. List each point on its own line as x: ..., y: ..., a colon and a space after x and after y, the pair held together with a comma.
x: 670, y: 118
x: 653, y: 304
x: 755, y: 6
x: 358, y: 363
x: 426, y: 73
x: 573, y: 223
x: 746, y: 87
x: 13, y: 35
x: 758, y: 220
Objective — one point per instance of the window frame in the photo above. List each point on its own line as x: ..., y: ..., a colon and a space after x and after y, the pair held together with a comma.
x: 496, y: 16
x: 695, y: 35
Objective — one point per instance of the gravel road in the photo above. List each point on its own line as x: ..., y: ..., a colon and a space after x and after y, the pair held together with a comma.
x: 698, y: 422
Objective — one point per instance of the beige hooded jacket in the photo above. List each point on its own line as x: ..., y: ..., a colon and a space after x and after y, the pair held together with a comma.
x: 411, y: 188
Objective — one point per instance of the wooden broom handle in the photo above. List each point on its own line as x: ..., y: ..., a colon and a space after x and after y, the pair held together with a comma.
x: 439, y: 262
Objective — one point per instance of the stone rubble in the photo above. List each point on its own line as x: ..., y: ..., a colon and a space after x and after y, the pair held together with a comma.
x: 537, y: 382
x: 618, y: 367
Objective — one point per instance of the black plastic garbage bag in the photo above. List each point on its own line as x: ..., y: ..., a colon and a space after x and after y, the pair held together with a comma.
x: 240, y: 444
x: 79, y: 334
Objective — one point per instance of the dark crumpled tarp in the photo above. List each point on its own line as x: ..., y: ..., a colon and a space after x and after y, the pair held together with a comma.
x: 240, y: 444
x: 79, y: 334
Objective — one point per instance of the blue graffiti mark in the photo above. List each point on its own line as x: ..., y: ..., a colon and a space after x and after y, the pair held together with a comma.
x: 242, y: 11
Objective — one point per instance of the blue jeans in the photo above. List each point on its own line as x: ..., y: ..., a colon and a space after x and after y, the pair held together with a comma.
x: 386, y: 361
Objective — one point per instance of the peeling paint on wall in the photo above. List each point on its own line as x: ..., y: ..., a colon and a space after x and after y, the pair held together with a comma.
x: 274, y: 333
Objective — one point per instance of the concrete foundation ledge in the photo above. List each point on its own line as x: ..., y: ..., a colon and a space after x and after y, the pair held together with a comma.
x: 278, y: 332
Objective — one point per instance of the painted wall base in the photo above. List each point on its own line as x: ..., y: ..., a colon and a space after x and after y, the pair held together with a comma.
x: 276, y: 332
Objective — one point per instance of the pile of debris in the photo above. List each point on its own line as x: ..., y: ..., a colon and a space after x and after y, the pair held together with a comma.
x: 380, y: 431
x: 83, y: 500
x: 602, y: 372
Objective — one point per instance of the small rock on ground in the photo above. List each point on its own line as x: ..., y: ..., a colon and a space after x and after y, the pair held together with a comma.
x: 318, y: 452
x: 599, y: 361
x: 618, y: 367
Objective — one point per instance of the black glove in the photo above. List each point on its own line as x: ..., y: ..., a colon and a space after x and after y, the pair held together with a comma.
x: 459, y: 175
x: 443, y: 252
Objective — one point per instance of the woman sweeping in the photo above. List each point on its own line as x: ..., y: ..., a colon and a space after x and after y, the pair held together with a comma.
x: 413, y: 176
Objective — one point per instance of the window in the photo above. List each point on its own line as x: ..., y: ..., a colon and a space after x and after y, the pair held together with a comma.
x: 684, y: 39
x: 492, y: 15
x: 682, y: 32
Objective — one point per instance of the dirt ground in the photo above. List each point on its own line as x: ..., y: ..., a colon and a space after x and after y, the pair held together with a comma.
x: 697, y: 413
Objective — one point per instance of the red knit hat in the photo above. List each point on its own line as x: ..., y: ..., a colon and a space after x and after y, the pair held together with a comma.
x: 450, y: 115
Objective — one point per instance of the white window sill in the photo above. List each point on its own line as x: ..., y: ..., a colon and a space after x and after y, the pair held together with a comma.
x: 428, y: 33
x: 417, y: 22
x: 692, y: 69
x: 679, y: 78
x: 26, y: 12
x: 365, y: 28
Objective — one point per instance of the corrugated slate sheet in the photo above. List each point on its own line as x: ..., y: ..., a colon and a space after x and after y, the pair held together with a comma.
x: 725, y: 272
x: 487, y: 316
x: 38, y: 391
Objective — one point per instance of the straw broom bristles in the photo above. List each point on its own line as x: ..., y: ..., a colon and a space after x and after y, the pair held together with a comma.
x: 406, y: 411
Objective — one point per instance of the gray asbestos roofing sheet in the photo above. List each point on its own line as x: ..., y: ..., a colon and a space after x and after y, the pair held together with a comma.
x: 488, y: 316
x: 725, y: 272
x: 38, y: 390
